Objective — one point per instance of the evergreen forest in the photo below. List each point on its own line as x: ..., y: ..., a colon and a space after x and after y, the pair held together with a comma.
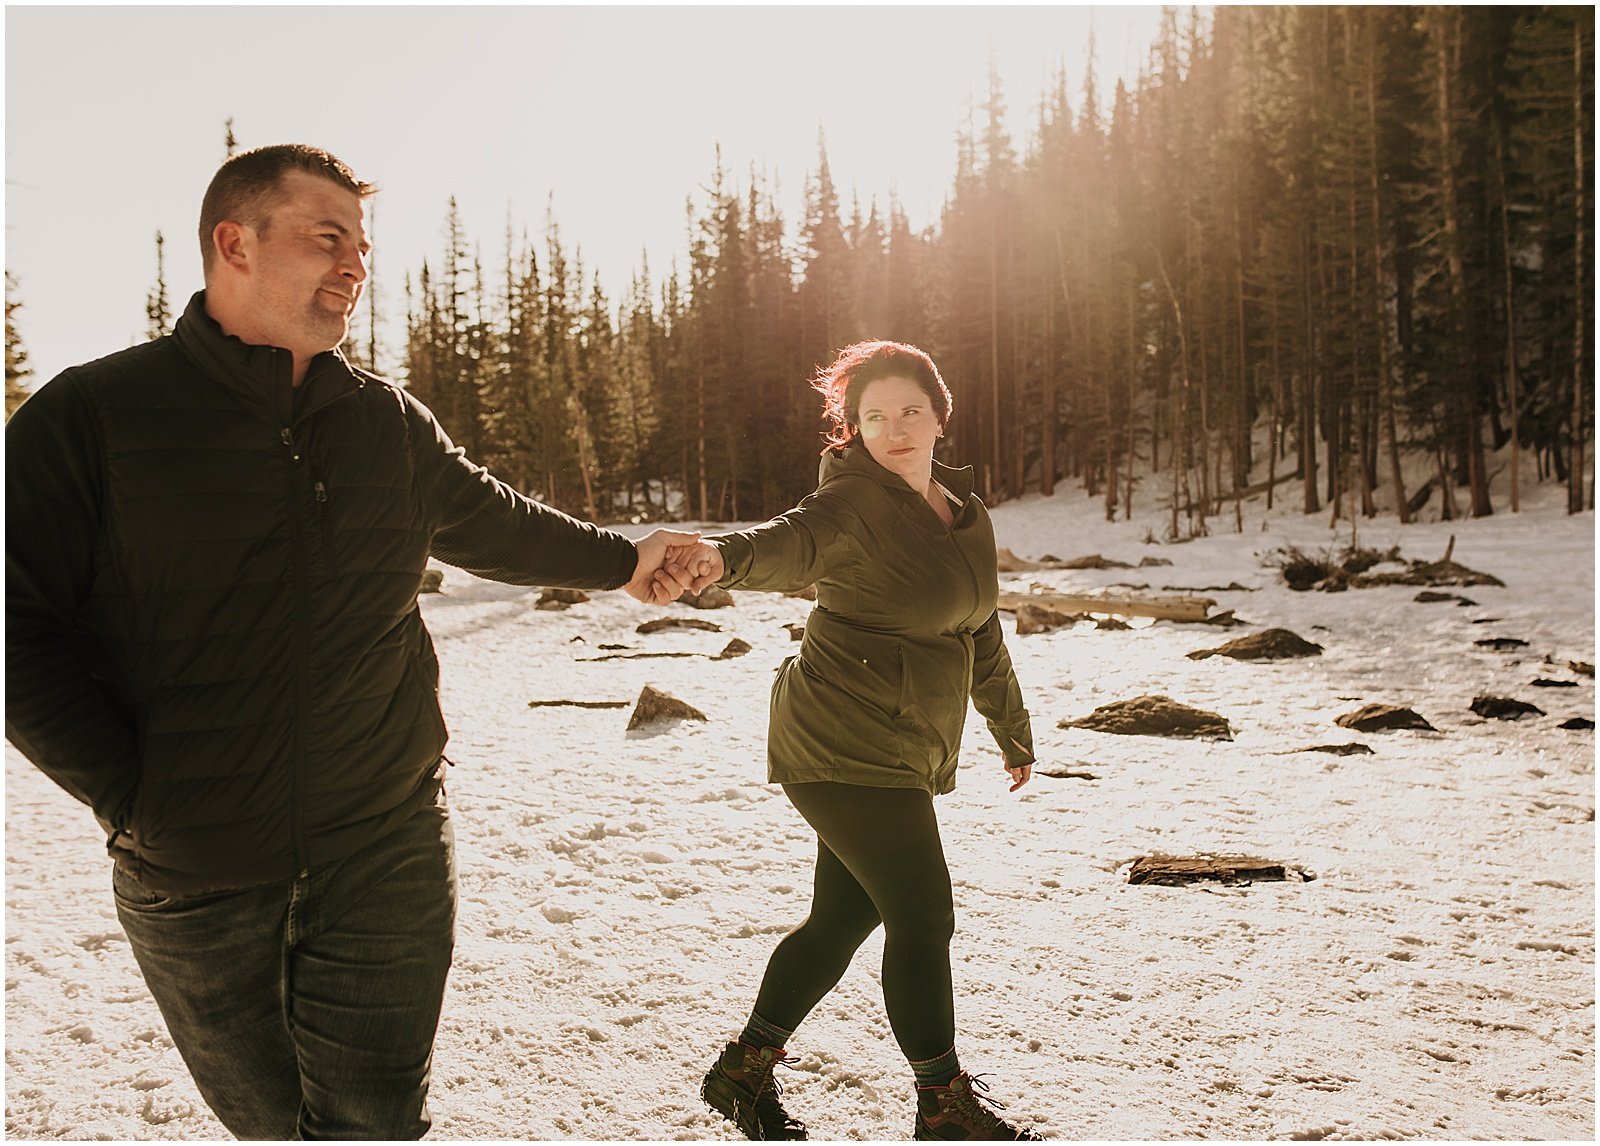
x: 1349, y: 244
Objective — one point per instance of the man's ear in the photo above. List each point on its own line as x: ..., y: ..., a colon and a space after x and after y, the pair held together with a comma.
x: 233, y: 243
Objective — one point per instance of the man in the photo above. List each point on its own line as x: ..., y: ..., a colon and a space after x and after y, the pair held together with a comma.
x: 214, y: 544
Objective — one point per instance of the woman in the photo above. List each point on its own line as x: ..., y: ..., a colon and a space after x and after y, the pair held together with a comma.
x: 866, y: 723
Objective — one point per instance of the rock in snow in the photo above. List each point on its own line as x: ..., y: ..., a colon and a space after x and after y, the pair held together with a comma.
x: 1503, y: 708
x: 653, y: 707
x: 1269, y: 644
x: 1382, y: 718
x: 1153, y: 716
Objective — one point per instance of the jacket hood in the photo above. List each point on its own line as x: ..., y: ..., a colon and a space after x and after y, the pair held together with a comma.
x: 260, y: 377
x: 855, y: 458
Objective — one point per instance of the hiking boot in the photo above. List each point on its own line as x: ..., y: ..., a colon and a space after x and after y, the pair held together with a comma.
x: 740, y: 1087
x: 958, y: 1113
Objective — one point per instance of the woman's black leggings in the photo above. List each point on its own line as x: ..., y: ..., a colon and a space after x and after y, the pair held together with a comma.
x: 879, y: 860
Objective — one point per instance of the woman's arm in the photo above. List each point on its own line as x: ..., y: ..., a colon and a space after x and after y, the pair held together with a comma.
x: 787, y: 553
x: 997, y: 696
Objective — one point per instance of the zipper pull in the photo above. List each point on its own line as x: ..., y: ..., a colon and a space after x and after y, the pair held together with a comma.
x: 288, y: 440
x: 322, y: 491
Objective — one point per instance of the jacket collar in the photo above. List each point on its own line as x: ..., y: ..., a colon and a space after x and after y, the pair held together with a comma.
x: 260, y: 377
x: 855, y: 458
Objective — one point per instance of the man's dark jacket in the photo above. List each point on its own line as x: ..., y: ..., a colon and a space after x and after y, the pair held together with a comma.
x: 212, y: 632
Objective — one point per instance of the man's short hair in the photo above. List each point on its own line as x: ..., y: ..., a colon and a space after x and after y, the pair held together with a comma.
x: 245, y: 188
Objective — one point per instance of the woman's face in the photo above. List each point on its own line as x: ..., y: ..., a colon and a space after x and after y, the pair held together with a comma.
x: 899, y: 427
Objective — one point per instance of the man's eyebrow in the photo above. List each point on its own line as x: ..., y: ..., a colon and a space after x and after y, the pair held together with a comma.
x: 335, y: 225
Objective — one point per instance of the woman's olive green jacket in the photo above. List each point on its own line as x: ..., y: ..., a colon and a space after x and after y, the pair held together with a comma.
x: 904, y: 629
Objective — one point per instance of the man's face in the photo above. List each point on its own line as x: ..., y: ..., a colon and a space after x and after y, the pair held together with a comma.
x: 309, y: 265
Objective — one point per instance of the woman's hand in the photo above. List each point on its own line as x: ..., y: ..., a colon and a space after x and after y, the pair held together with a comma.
x: 697, y: 565
x: 1020, y: 773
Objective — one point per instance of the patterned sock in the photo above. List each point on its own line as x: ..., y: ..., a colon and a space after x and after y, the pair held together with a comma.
x: 758, y: 1032
x: 937, y: 1071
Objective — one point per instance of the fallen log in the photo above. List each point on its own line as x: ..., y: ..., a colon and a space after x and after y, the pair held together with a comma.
x: 579, y: 703
x: 1259, y: 487
x: 1177, y: 871
x: 1161, y: 608
x: 636, y: 656
x: 678, y: 623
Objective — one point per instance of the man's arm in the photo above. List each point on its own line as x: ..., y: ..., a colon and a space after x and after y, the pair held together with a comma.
x: 58, y: 710
x: 491, y: 530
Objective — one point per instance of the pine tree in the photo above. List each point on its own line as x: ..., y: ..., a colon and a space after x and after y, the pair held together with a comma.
x: 782, y: 421
x: 365, y: 341
x: 509, y: 382
x: 638, y: 337
x: 157, y: 311
x: 1551, y: 76
x: 607, y: 403
x: 17, y: 368
x: 828, y: 319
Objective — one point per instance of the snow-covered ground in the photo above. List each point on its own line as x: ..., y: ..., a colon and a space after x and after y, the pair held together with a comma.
x: 621, y: 891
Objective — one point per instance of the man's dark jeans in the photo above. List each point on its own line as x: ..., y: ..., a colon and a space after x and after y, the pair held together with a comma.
x: 308, y: 1009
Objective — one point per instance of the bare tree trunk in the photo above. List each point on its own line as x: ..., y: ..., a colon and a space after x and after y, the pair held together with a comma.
x: 700, y: 440
x: 1133, y: 404
x: 1178, y: 464
x: 584, y: 467
x: 994, y: 350
x: 1305, y: 386
x: 1580, y: 327
x: 1050, y: 416
x: 1512, y: 392
x: 1277, y: 405
x: 1449, y: 50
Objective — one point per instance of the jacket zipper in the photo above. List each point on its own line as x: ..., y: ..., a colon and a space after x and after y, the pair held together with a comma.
x: 977, y: 593
x: 294, y: 460
x: 319, y: 491
x: 302, y: 654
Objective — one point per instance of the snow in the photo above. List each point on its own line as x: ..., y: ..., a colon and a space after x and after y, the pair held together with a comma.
x: 620, y: 892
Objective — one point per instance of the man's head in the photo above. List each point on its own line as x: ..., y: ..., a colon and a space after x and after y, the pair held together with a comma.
x: 248, y: 186
x: 283, y: 239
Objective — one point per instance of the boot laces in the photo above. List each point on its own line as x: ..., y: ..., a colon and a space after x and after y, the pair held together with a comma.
x: 978, y: 1106
x: 768, y: 1091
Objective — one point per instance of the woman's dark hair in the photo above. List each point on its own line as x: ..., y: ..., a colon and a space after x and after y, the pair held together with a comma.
x: 842, y: 382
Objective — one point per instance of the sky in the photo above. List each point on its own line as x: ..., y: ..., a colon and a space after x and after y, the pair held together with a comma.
x: 609, y: 116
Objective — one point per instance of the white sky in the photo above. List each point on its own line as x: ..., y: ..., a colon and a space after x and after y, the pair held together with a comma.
x: 114, y: 124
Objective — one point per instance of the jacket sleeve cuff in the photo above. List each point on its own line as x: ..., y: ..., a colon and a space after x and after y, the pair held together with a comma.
x: 1015, y: 743
x: 736, y: 554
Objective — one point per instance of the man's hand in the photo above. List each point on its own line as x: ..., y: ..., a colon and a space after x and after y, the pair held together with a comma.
x: 655, y: 581
x: 700, y: 563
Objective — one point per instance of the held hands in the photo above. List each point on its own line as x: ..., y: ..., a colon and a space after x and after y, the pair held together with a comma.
x: 700, y: 563
x: 656, y: 579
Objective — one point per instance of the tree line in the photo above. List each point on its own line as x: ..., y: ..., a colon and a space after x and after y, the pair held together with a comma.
x: 1352, y: 245
x: 1339, y: 237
